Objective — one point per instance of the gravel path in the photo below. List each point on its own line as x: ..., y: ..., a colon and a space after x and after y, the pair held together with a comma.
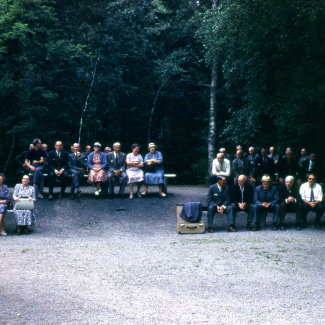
x: 100, y: 261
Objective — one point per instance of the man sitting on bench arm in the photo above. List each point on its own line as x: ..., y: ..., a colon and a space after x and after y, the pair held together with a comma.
x: 219, y: 202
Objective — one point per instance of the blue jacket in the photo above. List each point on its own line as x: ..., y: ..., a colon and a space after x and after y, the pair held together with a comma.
x: 272, y: 196
x: 102, y: 159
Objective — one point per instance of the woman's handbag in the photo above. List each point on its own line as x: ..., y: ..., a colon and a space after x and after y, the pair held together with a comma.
x: 24, y: 204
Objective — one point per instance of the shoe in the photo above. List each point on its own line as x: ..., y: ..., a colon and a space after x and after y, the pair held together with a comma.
x: 97, y: 193
x: 60, y: 195
x: 298, y: 227
x: 40, y: 196
x: 26, y: 231
x: 274, y: 227
x: 162, y: 194
x: 231, y: 229
x: 281, y: 227
x: 122, y: 196
x: 111, y: 196
x: 210, y: 229
x: 257, y: 227
x: 131, y: 197
x: 18, y: 233
x: 3, y: 233
x: 50, y: 197
x: 144, y: 193
x: 304, y: 225
x: 139, y: 195
x: 318, y: 225
x: 248, y: 227
x: 78, y: 192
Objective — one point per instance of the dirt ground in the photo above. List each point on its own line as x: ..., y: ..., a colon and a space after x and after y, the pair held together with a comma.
x: 100, y: 261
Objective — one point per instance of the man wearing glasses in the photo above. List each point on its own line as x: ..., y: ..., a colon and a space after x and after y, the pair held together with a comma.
x: 312, y: 195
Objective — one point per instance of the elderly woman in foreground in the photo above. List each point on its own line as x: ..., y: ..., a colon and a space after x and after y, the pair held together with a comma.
x: 155, y: 171
x: 4, y: 199
x: 24, y: 218
x: 134, y: 162
x: 97, y: 163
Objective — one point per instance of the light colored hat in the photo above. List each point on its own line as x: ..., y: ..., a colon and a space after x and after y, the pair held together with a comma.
x: 150, y: 145
x: 266, y: 178
x: 97, y: 144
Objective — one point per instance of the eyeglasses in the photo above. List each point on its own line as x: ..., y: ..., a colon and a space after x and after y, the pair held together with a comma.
x: 312, y: 179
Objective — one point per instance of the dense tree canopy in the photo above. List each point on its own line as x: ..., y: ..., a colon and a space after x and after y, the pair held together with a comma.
x: 150, y: 63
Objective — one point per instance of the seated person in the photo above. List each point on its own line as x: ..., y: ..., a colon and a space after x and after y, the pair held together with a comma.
x: 153, y: 163
x: 77, y: 168
x: 58, y: 169
x: 20, y: 160
x: 219, y: 202
x: 116, y: 164
x: 241, y: 166
x: 312, y: 195
x: 290, y: 201
x: 303, y: 157
x: 310, y: 166
x: 35, y: 160
x: 265, y: 200
x: 220, y: 167
x: 288, y: 165
x: 242, y: 195
x: 263, y: 165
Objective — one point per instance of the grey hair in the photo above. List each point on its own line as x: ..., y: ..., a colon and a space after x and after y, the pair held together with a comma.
x: 289, y: 178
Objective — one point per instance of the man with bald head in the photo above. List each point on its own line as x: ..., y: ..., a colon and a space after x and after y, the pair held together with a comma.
x: 220, y: 167
x: 58, y: 169
x: 242, y: 196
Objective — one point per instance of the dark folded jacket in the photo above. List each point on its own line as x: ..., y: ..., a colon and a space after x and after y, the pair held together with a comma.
x: 192, y: 211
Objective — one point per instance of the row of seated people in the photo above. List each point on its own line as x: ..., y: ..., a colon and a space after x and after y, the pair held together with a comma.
x: 265, y: 198
x: 112, y: 168
x: 254, y: 166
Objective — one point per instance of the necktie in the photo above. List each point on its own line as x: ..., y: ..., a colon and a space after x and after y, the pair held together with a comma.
x: 242, y: 194
x: 312, y: 197
x: 265, y: 196
x: 59, y: 159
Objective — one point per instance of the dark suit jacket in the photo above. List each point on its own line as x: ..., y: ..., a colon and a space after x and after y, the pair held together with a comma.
x: 288, y: 167
x: 75, y: 163
x: 261, y: 169
x: 217, y: 198
x: 237, y: 170
x: 20, y: 159
x: 114, y: 164
x: 272, y: 196
x: 54, y: 163
x: 284, y: 193
x: 316, y: 169
x: 235, y: 194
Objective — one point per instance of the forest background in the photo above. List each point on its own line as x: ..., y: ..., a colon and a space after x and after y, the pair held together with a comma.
x: 191, y: 76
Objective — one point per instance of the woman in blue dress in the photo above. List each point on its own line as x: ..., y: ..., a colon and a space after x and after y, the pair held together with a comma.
x: 4, y: 199
x: 155, y: 171
x: 24, y: 218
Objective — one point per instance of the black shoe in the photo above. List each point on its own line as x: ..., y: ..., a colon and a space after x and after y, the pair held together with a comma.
x: 111, y: 196
x: 274, y: 226
x: 281, y: 226
x: 304, y: 225
x: 257, y: 227
x: 78, y: 192
x: 210, y: 229
x: 298, y: 227
x: 248, y: 227
x: 122, y: 196
x: 60, y: 195
x: 318, y: 225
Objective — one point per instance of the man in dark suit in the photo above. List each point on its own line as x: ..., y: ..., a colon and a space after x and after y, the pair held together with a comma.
x: 77, y: 168
x: 242, y: 195
x: 288, y: 165
x: 219, y: 202
x: 290, y: 201
x: 58, y: 169
x: 263, y: 165
x: 241, y: 166
x: 116, y: 163
x: 20, y: 160
x: 266, y: 199
x: 310, y: 166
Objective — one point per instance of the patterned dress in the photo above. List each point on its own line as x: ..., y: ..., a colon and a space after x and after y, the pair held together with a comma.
x: 25, y: 217
x: 4, y: 195
x: 100, y: 176
x: 135, y: 174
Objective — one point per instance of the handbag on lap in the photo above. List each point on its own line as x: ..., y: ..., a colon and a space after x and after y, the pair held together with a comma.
x: 24, y: 204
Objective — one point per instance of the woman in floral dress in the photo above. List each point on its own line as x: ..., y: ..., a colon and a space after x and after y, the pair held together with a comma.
x: 24, y: 218
x: 97, y: 163
x: 4, y: 199
x: 134, y: 163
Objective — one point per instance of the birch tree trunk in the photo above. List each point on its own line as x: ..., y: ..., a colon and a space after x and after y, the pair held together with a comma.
x: 213, y: 105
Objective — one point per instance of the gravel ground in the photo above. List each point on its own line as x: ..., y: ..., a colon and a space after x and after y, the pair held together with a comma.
x: 100, y: 261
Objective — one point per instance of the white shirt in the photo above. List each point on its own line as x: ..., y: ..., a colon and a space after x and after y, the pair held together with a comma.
x: 224, y: 167
x: 305, y: 191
